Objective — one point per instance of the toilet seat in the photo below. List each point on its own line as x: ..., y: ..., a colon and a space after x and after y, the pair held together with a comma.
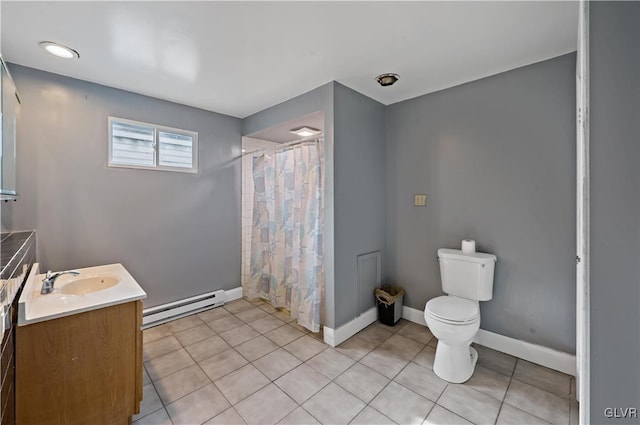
x: 453, y: 310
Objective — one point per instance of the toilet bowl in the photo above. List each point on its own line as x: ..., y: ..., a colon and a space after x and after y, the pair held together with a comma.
x: 454, y: 322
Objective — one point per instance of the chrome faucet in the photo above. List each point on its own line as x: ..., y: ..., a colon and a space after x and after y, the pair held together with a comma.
x: 50, y: 279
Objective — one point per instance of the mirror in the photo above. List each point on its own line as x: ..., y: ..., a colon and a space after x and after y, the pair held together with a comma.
x: 9, y: 113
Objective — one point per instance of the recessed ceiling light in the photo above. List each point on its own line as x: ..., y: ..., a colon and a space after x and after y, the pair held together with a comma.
x: 387, y: 79
x: 305, y: 131
x: 59, y: 50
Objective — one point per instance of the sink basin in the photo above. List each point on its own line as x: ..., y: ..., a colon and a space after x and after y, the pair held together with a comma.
x: 87, y: 284
x: 94, y: 288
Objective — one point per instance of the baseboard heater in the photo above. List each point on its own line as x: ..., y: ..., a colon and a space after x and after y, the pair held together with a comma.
x: 174, y: 310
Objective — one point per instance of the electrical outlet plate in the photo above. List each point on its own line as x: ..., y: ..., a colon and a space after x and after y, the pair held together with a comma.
x: 420, y: 200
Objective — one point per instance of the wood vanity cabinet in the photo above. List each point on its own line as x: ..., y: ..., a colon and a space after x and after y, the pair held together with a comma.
x: 85, y: 368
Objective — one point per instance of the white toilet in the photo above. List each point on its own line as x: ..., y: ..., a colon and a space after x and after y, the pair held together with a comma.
x: 455, y: 318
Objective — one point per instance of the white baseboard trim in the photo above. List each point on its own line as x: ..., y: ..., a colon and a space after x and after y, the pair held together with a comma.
x: 413, y: 315
x: 538, y: 354
x: 233, y: 294
x: 334, y: 337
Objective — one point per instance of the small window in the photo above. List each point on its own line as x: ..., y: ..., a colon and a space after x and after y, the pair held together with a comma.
x: 140, y: 145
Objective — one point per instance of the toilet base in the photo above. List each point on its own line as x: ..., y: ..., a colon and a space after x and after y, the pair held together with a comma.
x: 455, y: 363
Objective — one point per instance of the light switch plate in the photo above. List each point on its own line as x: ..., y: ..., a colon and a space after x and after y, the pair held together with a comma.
x: 420, y: 200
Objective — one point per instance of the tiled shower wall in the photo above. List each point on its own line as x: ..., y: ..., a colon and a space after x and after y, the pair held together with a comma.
x: 249, y: 145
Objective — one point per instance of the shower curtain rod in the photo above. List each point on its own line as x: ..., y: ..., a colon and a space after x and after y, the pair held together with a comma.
x: 283, y: 146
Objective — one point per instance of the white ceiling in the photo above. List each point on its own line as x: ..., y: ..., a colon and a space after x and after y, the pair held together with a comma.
x: 238, y: 58
x: 281, y: 133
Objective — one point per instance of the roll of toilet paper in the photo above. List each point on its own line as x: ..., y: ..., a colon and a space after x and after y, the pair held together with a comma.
x: 468, y: 246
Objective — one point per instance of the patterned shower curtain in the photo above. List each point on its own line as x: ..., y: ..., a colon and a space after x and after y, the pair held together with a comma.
x: 286, y: 239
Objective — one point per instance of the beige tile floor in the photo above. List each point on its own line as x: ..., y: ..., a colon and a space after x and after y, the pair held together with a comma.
x: 248, y: 363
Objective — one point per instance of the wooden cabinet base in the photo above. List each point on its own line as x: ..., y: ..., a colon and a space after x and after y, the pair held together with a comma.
x: 80, y: 369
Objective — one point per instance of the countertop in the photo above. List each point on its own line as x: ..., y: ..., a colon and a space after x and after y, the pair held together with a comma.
x: 35, y: 307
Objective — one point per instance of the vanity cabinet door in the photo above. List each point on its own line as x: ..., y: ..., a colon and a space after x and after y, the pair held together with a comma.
x: 79, y: 369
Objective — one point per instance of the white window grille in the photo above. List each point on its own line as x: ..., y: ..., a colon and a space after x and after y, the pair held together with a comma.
x: 134, y: 144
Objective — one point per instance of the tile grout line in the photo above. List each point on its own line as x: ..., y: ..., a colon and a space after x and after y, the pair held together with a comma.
x: 390, y: 334
x: 195, y: 362
x: 248, y: 363
x: 436, y: 403
x: 210, y: 381
x: 175, y: 371
x: 529, y: 413
x: 273, y: 381
x: 251, y: 362
x: 156, y: 391
x: 199, y: 367
x: 153, y: 383
x: 214, y: 384
x: 311, y: 396
x: 332, y: 381
x: 513, y: 372
x: 390, y: 379
x: 231, y: 348
x: 234, y: 347
x: 366, y: 404
x: 302, y: 407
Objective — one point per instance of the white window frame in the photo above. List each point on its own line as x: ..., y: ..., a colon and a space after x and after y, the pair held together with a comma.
x: 156, y: 147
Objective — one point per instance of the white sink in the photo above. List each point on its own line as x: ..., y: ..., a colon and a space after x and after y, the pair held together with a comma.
x: 95, y: 287
x: 83, y: 285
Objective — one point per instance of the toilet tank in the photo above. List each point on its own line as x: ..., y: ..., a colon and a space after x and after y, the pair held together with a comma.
x: 468, y: 276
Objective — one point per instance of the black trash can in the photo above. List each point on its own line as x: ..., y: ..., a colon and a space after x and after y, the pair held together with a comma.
x: 389, y: 299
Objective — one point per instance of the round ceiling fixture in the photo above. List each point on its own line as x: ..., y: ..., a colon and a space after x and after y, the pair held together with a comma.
x: 387, y: 79
x: 59, y: 50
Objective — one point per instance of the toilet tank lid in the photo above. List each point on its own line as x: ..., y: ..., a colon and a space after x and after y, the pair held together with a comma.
x: 457, y: 254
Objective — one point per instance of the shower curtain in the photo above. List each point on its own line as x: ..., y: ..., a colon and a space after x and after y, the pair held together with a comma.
x: 286, y: 239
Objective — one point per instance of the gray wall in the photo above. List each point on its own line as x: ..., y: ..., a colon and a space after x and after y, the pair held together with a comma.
x: 615, y: 208
x: 496, y: 159
x: 177, y: 233
x: 359, y: 196
x: 6, y: 217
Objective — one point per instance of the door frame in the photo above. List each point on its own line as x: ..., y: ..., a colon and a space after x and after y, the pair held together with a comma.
x: 582, y: 215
